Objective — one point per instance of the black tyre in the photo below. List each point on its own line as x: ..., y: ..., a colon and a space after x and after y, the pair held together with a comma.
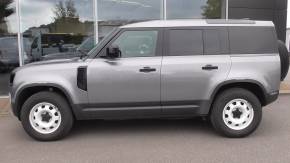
x: 46, y: 116
x: 284, y: 59
x: 236, y: 113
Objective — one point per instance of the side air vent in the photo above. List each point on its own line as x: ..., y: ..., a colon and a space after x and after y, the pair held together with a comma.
x: 82, y: 78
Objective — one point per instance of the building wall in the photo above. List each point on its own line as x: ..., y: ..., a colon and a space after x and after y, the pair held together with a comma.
x: 274, y: 10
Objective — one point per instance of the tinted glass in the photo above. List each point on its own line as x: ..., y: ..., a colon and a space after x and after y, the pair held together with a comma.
x: 185, y: 42
x: 215, y: 41
x: 252, y: 40
x: 137, y: 43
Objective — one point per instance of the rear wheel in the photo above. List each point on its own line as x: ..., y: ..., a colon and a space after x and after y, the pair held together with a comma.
x: 46, y: 116
x: 236, y: 113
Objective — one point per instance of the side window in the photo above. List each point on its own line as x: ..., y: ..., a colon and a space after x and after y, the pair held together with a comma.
x: 137, y: 43
x: 252, y: 40
x: 10, y: 43
x: 212, y: 44
x: 182, y: 42
x: 216, y: 41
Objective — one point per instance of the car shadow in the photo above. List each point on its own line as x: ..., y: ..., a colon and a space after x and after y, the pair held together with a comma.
x: 141, y: 127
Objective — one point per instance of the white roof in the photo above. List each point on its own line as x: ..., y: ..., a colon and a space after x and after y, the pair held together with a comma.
x: 198, y: 22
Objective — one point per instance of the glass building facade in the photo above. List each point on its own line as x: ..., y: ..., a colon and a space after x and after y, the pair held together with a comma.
x: 36, y: 30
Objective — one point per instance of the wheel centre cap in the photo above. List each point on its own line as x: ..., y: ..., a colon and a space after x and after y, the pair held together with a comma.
x: 45, y: 117
x: 237, y: 113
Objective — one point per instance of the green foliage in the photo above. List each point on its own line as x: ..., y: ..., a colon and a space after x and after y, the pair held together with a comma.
x: 212, y: 10
x: 65, y: 10
x: 5, y: 11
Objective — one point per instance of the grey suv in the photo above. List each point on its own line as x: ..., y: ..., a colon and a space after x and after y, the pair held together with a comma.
x: 224, y: 70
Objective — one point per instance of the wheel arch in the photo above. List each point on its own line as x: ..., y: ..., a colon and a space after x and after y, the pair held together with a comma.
x: 27, y: 91
x: 251, y: 85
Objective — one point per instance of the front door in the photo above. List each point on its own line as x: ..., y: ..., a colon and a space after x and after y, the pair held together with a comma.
x: 129, y: 84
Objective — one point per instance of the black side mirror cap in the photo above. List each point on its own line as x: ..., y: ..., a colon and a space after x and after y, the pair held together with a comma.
x: 113, y: 51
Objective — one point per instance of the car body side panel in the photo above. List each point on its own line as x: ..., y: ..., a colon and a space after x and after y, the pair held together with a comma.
x: 62, y: 76
x: 120, y: 80
x: 263, y: 68
x: 182, y: 77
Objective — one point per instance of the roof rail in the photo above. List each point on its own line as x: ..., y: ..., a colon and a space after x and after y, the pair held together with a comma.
x: 229, y: 21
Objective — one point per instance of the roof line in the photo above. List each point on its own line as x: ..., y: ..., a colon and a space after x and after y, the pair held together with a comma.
x: 199, y: 22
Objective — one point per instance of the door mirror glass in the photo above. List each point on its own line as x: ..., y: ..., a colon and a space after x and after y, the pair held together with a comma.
x: 113, y: 51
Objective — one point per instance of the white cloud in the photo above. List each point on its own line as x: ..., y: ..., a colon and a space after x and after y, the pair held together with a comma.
x: 35, y: 13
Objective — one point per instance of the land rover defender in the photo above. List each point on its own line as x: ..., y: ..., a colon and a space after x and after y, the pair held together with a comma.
x: 226, y: 70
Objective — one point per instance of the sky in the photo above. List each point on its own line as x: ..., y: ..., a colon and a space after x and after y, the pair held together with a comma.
x: 40, y: 12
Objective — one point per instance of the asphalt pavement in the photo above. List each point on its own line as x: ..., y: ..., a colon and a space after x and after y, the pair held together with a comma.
x: 134, y: 141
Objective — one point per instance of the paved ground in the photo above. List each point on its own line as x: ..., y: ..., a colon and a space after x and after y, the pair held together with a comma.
x: 153, y: 141
x: 285, y: 85
x: 4, y: 106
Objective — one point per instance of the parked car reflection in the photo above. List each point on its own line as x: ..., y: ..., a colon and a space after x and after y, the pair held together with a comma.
x: 82, y: 50
x: 54, y: 43
x: 9, y: 54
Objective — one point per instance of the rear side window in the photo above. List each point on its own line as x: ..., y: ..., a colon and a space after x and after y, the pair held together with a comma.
x: 182, y: 42
x: 215, y: 41
x: 252, y: 40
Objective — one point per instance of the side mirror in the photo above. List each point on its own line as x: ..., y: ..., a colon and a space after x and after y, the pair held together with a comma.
x: 113, y: 51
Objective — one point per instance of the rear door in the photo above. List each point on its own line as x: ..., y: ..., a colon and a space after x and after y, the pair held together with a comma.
x: 195, y: 61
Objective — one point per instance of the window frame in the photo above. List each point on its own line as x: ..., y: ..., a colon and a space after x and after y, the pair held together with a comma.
x: 159, y: 42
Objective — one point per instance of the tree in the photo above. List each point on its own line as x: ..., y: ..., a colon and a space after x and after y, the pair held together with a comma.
x: 5, y: 11
x: 59, y: 11
x: 70, y: 9
x: 65, y: 10
x: 212, y: 10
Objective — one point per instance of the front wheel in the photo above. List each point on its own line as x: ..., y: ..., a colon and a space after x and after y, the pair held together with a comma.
x: 236, y: 113
x: 46, y: 116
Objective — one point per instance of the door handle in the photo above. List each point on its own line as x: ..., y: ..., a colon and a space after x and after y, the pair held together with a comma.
x: 210, y: 67
x: 147, y: 69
